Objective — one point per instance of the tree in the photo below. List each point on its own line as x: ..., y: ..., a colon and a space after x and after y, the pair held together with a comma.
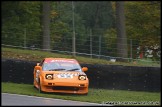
x: 18, y: 17
x: 146, y: 27
x: 143, y: 24
x: 97, y: 16
x: 61, y: 27
x: 121, y: 34
x: 46, y: 24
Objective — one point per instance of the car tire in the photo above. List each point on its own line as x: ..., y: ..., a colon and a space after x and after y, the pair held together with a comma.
x: 34, y: 86
x: 40, y: 90
x: 85, y: 94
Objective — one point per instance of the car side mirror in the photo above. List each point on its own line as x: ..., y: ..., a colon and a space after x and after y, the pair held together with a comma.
x: 84, y: 69
x: 38, y: 64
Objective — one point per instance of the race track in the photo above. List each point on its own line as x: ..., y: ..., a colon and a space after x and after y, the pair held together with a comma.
x: 24, y: 100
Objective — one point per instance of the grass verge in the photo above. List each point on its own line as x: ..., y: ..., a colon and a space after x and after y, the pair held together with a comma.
x: 38, y: 55
x: 94, y: 95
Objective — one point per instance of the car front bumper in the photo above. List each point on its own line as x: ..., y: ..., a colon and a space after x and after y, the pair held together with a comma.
x: 65, y: 87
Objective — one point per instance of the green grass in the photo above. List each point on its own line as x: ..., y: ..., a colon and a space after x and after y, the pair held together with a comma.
x: 94, y: 95
x: 36, y: 55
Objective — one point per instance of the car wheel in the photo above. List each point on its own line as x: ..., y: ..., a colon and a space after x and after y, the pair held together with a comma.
x: 34, y: 86
x: 40, y: 90
x: 85, y: 94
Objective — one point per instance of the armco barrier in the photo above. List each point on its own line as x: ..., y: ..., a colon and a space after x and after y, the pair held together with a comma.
x: 115, y: 77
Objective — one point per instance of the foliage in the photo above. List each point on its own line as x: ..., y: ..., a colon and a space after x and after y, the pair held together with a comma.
x: 22, y: 25
x: 18, y: 17
x: 110, y: 38
x: 143, y: 22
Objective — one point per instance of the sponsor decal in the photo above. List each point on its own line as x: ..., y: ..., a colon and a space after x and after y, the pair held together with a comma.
x: 67, y: 75
x: 55, y: 60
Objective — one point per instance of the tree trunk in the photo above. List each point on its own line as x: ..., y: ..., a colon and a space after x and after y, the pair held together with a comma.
x: 46, y: 24
x: 121, y: 34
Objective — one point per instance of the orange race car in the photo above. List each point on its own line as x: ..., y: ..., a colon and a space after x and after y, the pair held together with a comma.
x: 60, y: 75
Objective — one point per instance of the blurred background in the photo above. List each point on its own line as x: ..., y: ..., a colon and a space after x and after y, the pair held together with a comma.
x: 107, y: 30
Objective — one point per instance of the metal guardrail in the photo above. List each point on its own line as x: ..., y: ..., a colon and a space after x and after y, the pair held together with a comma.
x: 108, y: 58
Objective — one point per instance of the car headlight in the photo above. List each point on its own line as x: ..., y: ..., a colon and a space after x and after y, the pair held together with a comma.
x: 49, y: 76
x: 82, y: 77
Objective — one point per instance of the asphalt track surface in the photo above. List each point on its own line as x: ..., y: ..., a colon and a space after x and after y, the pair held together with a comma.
x: 24, y: 100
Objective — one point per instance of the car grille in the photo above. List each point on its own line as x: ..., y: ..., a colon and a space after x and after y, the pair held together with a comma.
x: 65, y: 88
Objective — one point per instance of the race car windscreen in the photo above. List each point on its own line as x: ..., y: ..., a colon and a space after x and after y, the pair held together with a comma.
x: 61, y: 65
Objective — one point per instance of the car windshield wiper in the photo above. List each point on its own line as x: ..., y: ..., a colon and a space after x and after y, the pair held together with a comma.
x: 59, y: 69
x: 73, y: 69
